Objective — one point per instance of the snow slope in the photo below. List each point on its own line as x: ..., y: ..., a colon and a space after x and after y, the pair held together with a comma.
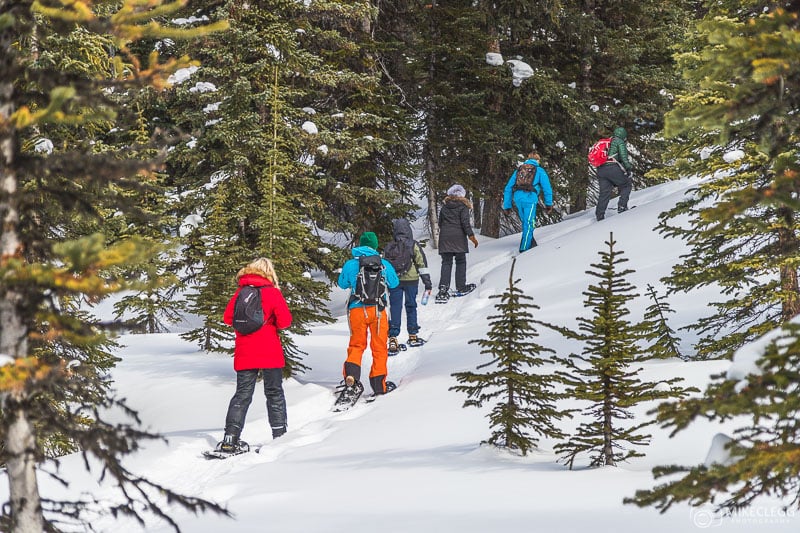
x: 412, y: 461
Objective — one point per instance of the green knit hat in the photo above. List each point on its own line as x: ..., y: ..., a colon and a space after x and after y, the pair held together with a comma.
x: 369, y: 238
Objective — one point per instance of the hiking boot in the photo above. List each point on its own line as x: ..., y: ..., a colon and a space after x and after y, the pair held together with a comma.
x: 468, y: 288
x: 229, y: 444
x: 279, y: 431
x: 393, y: 344
x: 390, y: 386
x: 444, y: 295
x: 622, y: 209
x: 413, y: 340
x: 347, y: 395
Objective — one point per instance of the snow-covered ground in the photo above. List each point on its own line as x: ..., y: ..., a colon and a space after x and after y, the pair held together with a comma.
x: 412, y: 461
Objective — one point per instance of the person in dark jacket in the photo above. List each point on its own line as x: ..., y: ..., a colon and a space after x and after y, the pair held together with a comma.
x: 409, y: 285
x: 616, y: 172
x: 454, y: 230
x: 527, y: 200
x: 260, y: 351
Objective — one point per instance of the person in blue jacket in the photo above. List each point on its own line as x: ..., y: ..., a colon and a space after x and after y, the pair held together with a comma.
x: 526, y: 201
x: 367, y: 322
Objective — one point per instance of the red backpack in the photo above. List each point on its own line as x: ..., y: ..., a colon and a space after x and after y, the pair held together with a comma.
x: 598, y: 153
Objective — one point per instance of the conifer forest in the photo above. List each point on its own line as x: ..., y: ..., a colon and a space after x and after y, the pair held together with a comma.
x: 150, y: 148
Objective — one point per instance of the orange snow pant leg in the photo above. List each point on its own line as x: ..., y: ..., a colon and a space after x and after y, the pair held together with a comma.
x: 368, y: 323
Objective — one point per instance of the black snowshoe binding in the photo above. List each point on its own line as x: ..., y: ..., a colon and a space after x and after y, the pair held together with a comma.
x: 414, y: 341
x: 468, y: 288
x: 395, y: 347
x: 443, y: 296
x: 390, y: 386
x: 227, y: 447
x: 348, y: 395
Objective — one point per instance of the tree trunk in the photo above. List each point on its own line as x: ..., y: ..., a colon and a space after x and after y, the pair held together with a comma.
x: 512, y: 407
x: 492, y: 195
x: 26, y: 507
x: 492, y: 202
x: 433, y: 216
x: 787, y: 244
x: 608, y: 448
x: 20, y: 441
x: 579, y: 191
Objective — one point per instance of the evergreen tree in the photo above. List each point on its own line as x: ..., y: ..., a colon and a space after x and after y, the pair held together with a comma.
x: 662, y: 338
x: 593, y: 66
x: 762, y: 456
x: 613, y: 66
x: 289, y: 136
x: 527, y: 400
x: 738, y: 126
x: 610, y: 379
x: 61, y: 176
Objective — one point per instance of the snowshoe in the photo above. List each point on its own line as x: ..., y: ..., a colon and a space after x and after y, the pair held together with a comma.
x: 348, y: 395
x: 468, y: 288
x: 443, y: 296
x: 390, y: 386
x: 227, y: 447
x: 393, y: 346
x: 398, y: 348
x: 415, y: 341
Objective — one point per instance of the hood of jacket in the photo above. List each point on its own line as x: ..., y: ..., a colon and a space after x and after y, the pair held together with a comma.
x: 358, y: 251
x: 451, y: 202
x: 256, y: 280
x: 620, y: 133
x: 401, y: 229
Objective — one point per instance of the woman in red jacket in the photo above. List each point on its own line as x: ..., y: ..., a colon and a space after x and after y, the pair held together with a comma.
x: 258, y: 351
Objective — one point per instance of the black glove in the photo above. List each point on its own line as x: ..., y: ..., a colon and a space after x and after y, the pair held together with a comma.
x: 548, y: 209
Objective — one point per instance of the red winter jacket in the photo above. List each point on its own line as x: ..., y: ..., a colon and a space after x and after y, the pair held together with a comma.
x: 262, y: 348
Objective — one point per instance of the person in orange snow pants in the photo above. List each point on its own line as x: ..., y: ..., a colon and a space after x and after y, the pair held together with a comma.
x: 368, y: 322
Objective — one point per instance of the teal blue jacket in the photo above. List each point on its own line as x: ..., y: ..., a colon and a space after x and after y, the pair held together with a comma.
x: 541, y: 182
x: 349, y: 273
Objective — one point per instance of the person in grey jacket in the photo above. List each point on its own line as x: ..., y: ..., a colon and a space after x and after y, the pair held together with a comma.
x: 409, y: 284
x: 454, y: 230
x: 614, y: 173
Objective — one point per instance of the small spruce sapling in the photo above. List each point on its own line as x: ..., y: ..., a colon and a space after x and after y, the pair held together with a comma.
x: 526, y: 400
x: 662, y: 338
x: 610, y: 378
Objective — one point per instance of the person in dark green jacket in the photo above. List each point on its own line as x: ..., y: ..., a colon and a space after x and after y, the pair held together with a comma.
x: 615, y: 173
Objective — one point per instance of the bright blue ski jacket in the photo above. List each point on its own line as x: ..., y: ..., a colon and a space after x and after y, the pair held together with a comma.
x: 349, y: 273
x: 541, y: 183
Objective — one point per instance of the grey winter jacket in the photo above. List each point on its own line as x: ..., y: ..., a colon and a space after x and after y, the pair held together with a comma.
x: 454, y: 225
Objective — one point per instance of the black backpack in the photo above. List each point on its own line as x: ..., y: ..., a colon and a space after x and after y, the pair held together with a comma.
x: 526, y: 174
x: 370, y: 285
x: 248, y: 313
x: 399, y: 255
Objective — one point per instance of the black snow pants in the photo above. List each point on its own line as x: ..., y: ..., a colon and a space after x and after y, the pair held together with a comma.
x: 245, y: 386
